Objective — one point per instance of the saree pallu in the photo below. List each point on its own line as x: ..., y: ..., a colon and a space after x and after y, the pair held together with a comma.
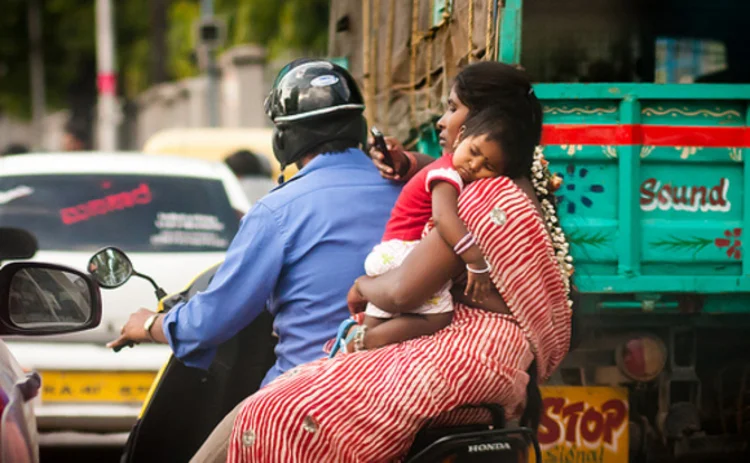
x: 367, y: 406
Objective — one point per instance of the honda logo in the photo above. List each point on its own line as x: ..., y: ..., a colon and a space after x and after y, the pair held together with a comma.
x: 489, y: 447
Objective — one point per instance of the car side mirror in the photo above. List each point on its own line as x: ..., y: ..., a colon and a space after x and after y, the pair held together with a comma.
x: 110, y: 267
x: 41, y: 299
x: 16, y: 244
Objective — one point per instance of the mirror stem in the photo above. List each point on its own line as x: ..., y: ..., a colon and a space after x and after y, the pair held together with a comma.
x: 160, y: 293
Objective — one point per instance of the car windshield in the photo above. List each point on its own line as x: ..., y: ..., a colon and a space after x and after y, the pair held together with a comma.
x: 137, y: 213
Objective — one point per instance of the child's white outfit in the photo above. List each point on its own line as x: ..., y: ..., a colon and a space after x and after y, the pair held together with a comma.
x: 410, y: 215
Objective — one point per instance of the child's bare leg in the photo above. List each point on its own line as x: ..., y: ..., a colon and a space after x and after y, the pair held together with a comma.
x: 404, y: 327
x: 371, y: 322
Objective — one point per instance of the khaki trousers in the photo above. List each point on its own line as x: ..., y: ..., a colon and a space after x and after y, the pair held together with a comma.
x: 214, y: 449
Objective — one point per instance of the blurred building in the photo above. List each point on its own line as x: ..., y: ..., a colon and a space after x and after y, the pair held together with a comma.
x: 244, y: 81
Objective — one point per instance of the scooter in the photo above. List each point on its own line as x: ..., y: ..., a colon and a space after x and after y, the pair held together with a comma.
x: 185, y: 404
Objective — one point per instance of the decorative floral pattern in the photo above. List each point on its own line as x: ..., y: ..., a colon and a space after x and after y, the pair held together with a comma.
x: 690, y: 243
x: 571, y: 149
x: 498, y: 216
x: 732, y: 242
x: 609, y: 151
x: 577, y: 189
x: 685, y: 111
x: 576, y: 111
x: 594, y: 239
x: 646, y: 150
x: 687, y: 151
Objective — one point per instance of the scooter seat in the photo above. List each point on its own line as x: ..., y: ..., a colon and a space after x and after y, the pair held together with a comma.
x: 485, y: 441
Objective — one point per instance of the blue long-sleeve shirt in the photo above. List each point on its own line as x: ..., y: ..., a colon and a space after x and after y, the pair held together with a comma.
x: 297, y: 252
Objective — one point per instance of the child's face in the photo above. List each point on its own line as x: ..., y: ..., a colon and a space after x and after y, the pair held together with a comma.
x: 476, y: 157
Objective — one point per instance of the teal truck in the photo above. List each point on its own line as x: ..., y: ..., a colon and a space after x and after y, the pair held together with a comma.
x: 646, y: 120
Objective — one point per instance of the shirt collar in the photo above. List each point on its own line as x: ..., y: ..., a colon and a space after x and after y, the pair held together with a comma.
x: 349, y: 158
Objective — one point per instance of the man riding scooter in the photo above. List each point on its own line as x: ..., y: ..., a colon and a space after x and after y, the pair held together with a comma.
x: 299, y: 248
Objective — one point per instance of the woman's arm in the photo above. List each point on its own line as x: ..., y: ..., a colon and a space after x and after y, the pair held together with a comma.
x: 494, y: 302
x: 424, y: 271
x: 449, y: 225
x: 456, y: 235
x: 423, y: 160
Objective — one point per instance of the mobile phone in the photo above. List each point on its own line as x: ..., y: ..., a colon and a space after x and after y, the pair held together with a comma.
x: 379, y: 143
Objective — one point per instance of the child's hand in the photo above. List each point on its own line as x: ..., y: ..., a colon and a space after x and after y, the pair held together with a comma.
x: 355, y: 300
x: 478, y: 286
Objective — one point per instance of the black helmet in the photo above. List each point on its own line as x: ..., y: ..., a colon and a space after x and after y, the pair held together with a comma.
x: 313, y: 101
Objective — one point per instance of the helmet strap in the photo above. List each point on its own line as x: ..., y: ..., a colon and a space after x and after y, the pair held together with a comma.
x: 291, y: 142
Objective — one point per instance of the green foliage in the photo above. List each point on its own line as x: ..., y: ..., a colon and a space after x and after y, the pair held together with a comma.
x: 250, y: 21
x: 279, y: 25
x: 14, y: 70
x: 67, y: 40
x: 302, y: 26
x: 132, y: 44
x: 182, y: 16
x: 70, y: 49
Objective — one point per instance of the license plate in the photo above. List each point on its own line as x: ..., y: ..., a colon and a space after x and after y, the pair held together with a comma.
x: 584, y: 424
x: 96, y: 386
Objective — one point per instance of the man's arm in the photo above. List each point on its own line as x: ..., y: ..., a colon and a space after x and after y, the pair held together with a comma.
x: 237, y: 294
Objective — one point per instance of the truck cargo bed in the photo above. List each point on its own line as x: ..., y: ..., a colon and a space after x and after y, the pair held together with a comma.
x: 654, y: 181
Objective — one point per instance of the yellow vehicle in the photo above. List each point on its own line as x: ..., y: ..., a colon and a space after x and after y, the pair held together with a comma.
x: 215, y: 144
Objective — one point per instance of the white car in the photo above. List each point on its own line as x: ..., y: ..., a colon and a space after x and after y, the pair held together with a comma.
x: 174, y: 217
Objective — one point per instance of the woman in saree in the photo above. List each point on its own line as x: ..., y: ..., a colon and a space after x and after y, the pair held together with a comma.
x: 368, y: 405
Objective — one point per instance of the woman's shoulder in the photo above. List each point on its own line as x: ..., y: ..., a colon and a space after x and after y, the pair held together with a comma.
x: 499, y: 198
x: 497, y: 188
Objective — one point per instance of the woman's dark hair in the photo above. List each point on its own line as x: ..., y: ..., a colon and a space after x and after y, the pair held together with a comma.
x: 491, y: 87
x: 506, y: 91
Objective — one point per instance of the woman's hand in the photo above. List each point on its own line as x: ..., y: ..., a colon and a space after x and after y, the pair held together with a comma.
x: 355, y: 300
x: 398, y: 156
x: 133, y: 330
x: 478, y: 286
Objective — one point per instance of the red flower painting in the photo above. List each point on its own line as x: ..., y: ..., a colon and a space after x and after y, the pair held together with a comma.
x: 732, y: 242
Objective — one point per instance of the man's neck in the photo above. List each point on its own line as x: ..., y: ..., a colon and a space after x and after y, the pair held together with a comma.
x: 305, y: 160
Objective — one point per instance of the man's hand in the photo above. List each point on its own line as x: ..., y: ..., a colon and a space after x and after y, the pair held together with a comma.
x: 133, y: 330
x: 355, y: 300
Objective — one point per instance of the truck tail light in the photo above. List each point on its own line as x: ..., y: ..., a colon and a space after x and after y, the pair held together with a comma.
x: 641, y: 358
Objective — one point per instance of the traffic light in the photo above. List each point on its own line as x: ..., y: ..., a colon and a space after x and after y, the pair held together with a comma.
x: 211, y: 33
